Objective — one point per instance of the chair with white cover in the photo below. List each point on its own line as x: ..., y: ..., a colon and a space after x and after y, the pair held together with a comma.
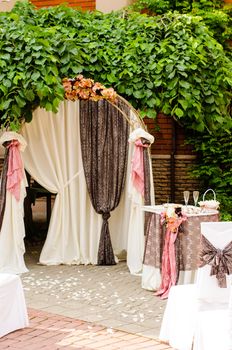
x: 199, y: 316
x: 13, y: 311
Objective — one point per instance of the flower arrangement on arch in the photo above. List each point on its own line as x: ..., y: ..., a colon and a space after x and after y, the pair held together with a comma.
x: 86, y: 89
x: 173, y: 217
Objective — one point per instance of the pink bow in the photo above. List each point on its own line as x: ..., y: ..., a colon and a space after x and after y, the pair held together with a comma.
x: 15, y: 169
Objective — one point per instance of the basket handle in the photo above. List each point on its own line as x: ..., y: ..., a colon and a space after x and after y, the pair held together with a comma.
x: 210, y: 189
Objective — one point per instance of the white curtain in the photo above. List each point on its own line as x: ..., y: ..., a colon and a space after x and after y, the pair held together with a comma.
x: 53, y: 158
x: 12, y: 234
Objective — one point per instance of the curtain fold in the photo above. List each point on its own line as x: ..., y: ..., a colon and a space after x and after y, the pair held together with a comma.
x: 104, y: 143
x: 53, y: 160
x: 147, y: 176
x: 12, y: 233
x: 147, y: 186
x: 3, y: 184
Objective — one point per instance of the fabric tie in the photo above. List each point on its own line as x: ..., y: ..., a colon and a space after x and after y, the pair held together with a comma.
x: 219, y: 260
x: 137, y: 169
x: 15, y: 169
x: 106, y: 216
x: 169, y: 270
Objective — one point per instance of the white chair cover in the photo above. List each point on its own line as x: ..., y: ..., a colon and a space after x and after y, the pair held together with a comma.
x: 214, y: 319
x: 13, y: 312
x: 185, y: 316
x: 213, y: 330
x: 219, y: 234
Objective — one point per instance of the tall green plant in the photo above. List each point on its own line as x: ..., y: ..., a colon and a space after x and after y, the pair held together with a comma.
x: 183, y: 6
x: 214, y: 168
x: 215, y: 14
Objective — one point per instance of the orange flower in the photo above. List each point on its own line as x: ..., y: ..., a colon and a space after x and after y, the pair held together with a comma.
x: 109, y: 94
x: 97, y: 87
x: 82, y: 88
x: 67, y: 85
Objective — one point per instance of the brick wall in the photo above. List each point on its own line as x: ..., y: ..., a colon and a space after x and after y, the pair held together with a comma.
x: 162, y: 129
x: 172, y: 160
x: 84, y: 4
x: 161, y: 165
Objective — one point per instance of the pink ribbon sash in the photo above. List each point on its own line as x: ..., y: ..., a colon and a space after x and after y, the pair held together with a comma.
x: 137, y: 169
x: 169, y: 270
x: 15, y: 169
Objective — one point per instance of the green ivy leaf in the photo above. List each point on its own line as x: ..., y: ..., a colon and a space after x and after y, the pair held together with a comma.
x: 179, y: 113
x: 209, y: 99
x: 29, y: 94
x: 21, y: 103
x: 138, y: 94
x: 35, y: 75
x: 7, y: 83
x: 184, y: 104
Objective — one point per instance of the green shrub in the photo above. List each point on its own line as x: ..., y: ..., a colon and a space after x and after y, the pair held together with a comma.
x: 214, y: 168
x: 162, y: 6
x: 168, y: 63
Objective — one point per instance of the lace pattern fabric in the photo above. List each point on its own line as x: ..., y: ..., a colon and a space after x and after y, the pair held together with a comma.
x: 104, y: 143
x: 187, y: 245
x: 220, y: 260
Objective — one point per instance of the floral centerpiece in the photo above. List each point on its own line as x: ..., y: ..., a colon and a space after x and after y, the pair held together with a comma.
x: 86, y: 89
x: 173, y: 217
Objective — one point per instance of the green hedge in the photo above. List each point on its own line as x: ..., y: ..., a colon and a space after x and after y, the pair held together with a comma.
x: 169, y: 63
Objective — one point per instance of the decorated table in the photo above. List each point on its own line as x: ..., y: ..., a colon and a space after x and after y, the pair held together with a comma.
x: 171, y: 248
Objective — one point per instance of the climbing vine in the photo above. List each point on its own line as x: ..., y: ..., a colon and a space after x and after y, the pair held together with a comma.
x: 170, y: 63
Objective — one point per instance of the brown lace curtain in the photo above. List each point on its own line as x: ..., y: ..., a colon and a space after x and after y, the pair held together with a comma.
x: 147, y: 185
x: 104, y: 144
x: 3, y: 184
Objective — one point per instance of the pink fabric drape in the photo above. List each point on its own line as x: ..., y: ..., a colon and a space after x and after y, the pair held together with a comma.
x: 169, y: 270
x: 137, y: 166
x: 15, y: 169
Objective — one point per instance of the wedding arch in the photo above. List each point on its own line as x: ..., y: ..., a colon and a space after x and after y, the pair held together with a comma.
x: 81, y: 154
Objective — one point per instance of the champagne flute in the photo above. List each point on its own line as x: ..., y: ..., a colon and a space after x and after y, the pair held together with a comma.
x: 186, y: 197
x: 195, y: 197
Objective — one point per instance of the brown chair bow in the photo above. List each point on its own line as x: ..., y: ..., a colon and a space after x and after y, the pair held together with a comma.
x: 219, y: 260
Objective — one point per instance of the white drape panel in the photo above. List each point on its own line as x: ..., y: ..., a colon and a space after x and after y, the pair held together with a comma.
x: 12, y: 234
x: 136, y: 226
x: 53, y: 158
x: 130, y: 217
x: 136, y: 239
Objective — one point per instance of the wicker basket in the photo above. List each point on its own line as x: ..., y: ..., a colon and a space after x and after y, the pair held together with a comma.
x: 209, y: 204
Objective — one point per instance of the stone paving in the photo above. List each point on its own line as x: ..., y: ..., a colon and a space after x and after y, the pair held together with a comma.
x: 107, y: 295
x: 52, y: 332
x: 86, y: 308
